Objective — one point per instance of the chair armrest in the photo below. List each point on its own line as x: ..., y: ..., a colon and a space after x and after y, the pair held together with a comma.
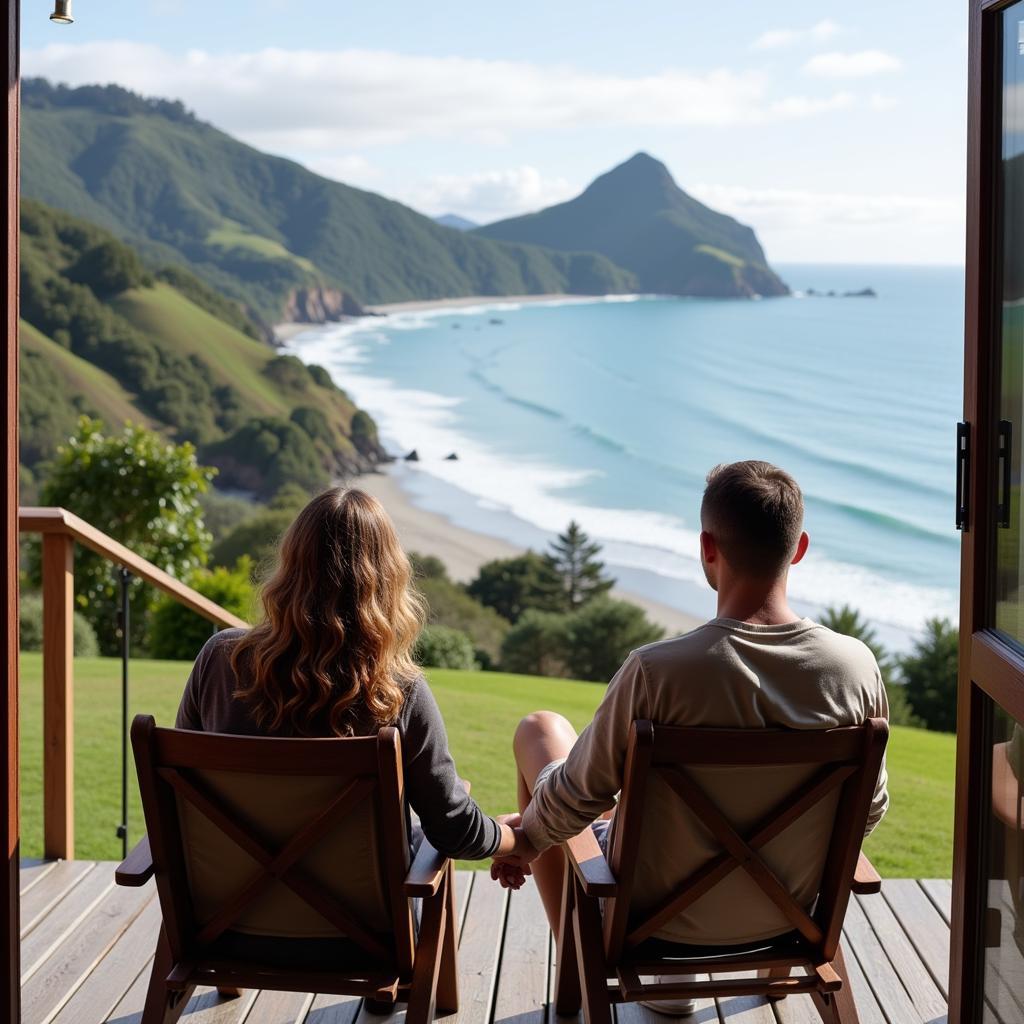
x: 137, y: 868
x: 587, y: 860
x: 426, y: 872
x: 866, y: 880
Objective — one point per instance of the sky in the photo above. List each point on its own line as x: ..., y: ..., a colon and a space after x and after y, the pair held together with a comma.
x: 836, y: 130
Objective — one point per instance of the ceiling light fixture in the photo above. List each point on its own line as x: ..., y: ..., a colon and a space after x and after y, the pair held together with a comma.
x: 62, y: 12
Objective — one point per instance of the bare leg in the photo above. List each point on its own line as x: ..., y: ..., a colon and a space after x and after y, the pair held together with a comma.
x: 541, y: 738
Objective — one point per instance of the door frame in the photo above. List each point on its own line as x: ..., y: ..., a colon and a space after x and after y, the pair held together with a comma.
x: 989, y: 667
x: 10, y: 978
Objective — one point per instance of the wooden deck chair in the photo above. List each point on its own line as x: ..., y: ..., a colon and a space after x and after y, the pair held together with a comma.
x: 829, y: 775
x: 284, y: 864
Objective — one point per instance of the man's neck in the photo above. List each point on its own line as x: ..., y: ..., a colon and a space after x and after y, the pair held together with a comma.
x: 755, y: 603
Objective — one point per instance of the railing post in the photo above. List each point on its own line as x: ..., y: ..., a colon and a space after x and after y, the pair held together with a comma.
x: 58, y: 696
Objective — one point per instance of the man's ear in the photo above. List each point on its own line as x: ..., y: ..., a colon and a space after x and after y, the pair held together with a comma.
x: 801, y: 547
x: 708, y: 547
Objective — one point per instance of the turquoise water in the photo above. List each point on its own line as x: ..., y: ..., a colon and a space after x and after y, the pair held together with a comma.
x: 613, y: 411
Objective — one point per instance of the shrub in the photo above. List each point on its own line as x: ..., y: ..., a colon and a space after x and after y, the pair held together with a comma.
x: 443, y: 647
x: 30, y: 629
x: 929, y: 675
x: 602, y: 633
x: 256, y: 537
x: 449, y: 605
x: 177, y: 633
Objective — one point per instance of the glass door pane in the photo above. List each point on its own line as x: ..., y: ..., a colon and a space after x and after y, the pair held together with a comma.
x: 1009, y: 576
x: 1004, y: 914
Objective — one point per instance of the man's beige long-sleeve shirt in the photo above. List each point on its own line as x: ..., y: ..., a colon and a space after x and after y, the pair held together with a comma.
x: 725, y: 674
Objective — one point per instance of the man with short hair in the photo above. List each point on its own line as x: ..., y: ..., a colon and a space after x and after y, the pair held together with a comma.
x: 756, y: 665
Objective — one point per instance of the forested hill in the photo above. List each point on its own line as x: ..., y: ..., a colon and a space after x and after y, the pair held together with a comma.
x: 638, y: 217
x: 104, y: 336
x: 283, y: 241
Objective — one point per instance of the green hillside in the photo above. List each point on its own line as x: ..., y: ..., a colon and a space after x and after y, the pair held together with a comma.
x: 259, y: 228
x: 106, y: 337
x: 638, y: 217
x: 56, y: 388
x: 481, y: 710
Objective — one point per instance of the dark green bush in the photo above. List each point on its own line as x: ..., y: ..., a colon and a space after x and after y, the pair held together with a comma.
x: 929, y: 675
x: 443, y: 647
x: 178, y: 633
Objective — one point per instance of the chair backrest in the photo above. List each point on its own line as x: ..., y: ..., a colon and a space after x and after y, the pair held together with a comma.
x: 730, y: 835
x: 297, y: 838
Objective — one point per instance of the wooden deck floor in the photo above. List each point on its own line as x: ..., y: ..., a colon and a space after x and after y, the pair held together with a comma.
x: 87, y: 947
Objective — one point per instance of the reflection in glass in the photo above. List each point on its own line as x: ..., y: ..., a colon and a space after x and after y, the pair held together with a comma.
x: 1009, y: 617
x: 1004, y: 917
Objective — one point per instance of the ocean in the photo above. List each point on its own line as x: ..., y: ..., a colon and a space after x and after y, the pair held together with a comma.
x: 611, y: 412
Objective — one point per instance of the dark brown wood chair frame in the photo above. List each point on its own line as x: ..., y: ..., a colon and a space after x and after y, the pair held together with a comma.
x: 392, y: 966
x: 596, y: 947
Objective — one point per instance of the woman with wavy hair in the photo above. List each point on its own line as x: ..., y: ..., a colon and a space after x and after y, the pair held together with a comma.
x: 333, y: 657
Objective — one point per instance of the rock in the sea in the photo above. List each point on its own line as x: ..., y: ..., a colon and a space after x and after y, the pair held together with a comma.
x: 413, y: 456
x: 863, y: 293
x: 452, y: 457
x: 495, y: 320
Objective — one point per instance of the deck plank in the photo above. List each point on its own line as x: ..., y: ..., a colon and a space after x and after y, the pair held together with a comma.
x: 32, y: 871
x: 105, y: 986
x: 744, y: 1009
x: 50, y: 889
x: 279, y: 1008
x: 863, y: 943
x: 924, y: 926
x: 940, y: 892
x: 63, y: 918
x: 129, y: 1007
x: 521, y: 996
x: 92, y: 944
x: 67, y: 966
x: 929, y: 1001
x: 479, y: 952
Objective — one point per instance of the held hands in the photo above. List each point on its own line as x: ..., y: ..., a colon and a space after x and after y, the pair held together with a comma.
x: 515, y: 853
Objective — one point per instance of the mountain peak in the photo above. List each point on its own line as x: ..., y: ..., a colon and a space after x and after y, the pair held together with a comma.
x: 640, y: 171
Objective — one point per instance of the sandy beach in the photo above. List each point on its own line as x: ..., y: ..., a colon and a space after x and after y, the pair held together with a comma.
x: 464, y: 551
x: 285, y: 331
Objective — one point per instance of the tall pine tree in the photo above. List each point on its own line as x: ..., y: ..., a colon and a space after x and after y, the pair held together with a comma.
x: 574, y: 558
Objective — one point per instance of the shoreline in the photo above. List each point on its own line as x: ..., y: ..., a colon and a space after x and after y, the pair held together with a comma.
x: 284, y: 332
x: 463, y: 551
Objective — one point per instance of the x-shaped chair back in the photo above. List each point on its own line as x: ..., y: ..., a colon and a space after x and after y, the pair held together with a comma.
x: 841, y: 763
x: 187, y: 779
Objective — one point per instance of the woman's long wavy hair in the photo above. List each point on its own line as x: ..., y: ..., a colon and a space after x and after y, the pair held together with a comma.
x: 341, y: 619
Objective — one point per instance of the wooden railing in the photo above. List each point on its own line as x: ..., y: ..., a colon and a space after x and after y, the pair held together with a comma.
x: 60, y: 531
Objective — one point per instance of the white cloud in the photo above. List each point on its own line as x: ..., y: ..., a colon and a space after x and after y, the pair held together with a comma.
x: 321, y: 101
x: 844, y: 226
x: 348, y: 167
x: 862, y: 64
x: 776, y: 38
x: 490, y: 195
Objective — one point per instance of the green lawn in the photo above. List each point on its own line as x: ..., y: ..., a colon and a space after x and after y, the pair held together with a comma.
x: 481, y: 711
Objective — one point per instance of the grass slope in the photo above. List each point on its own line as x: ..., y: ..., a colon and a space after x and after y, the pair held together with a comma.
x: 481, y: 710
x: 169, y: 318
x: 98, y: 392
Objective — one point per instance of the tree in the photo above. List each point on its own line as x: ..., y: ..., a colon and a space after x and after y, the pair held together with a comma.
x: 602, y: 633
x: 573, y: 557
x: 178, y: 633
x: 449, y: 605
x: 848, y: 621
x: 537, y: 644
x: 511, y: 586
x: 143, y: 491
x: 929, y: 675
